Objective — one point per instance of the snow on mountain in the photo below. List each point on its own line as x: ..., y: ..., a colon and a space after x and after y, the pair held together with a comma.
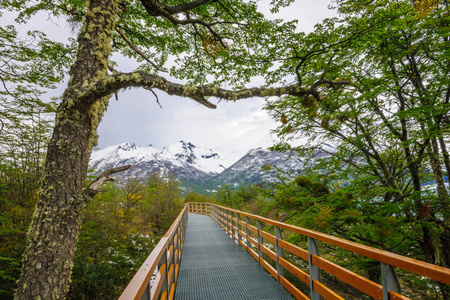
x: 118, y: 155
x: 202, y: 158
x: 249, y: 169
x: 186, y: 161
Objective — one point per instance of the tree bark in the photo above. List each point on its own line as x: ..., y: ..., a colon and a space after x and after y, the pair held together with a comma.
x: 437, y: 170
x: 445, y: 155
x: 55, y: 225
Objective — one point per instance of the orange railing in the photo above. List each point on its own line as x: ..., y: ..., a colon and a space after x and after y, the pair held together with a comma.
x: 256, y: 241
x: 157, y: 277
x: 251, y: 238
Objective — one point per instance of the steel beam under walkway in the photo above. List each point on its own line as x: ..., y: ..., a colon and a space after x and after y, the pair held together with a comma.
x: 214, y: 266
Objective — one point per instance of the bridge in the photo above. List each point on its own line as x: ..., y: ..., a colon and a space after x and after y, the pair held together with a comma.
x: 207, y: 254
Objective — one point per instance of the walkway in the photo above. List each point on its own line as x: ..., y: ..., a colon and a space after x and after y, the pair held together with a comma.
x: 214, y: 266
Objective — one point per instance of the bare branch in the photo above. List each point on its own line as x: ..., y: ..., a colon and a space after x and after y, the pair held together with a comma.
x: 6, y: 89
x: 136, y: 49
x: 92, y: 189
x: 156, y: 8
x: 154, y: 94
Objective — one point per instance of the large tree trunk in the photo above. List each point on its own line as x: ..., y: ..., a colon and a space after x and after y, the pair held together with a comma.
x: 53, y: 234
x: 55, y: 226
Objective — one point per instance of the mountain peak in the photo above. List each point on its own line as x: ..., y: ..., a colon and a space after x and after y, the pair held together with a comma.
x: 127, y: 146
x: 187, y: 145
x: 196, y: 165
x: 201, y: 162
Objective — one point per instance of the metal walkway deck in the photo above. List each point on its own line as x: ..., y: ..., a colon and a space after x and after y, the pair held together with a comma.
x: 214, y: 266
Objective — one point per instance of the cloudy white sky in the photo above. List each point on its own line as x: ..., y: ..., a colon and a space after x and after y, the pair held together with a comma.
x: 137, y: 118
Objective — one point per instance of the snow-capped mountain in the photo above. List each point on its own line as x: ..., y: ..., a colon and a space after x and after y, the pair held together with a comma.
x: 184, y: 160
x: 198, y: 168
x: 249, y: 169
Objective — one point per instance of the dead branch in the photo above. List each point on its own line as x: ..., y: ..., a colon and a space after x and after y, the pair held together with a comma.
x: 92, y: 189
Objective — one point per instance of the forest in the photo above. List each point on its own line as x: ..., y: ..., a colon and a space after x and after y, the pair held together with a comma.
x: 373, y: 81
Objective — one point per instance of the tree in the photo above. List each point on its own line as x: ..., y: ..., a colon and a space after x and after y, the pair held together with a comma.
x: 120, y: 227
x: 27, y: 70
x: 225, y: 196
x: 227, y: 41
x: 194, y: 197
x: 23, y: 139
x: 161, y: 203
x: 390, y: 127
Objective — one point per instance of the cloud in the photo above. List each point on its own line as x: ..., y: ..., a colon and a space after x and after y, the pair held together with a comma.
x: 138, y: 118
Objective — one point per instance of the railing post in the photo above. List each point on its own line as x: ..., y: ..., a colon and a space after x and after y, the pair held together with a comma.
x: 217, y: 211
x: 185, y: 225
x: 247, y: 233
x: 233, y: 233
x: 228, y: 221
x: 222, y: 217
x: 176, y: 254
x: 238, y: 217
x: 389, y: 280
x: 163, y: 260
x: 176, y: 245
x: 171, y: 263
x: 314, y: 271
x: 147, y: 294
x: 260, y: 240
x: 278, y: 236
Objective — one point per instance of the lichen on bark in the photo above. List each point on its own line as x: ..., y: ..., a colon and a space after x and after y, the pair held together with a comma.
x: 53, y: 233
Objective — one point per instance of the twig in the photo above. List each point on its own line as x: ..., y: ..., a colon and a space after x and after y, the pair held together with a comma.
x: 136, y: 49
x: 156, y: 96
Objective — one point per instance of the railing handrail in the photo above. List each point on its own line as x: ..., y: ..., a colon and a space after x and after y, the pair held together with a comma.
x: 141, y: 280
x: 232, y: 222
x: 416, y: 266
x: 252, y: 239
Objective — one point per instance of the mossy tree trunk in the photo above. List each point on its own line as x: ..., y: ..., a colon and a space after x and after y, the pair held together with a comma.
x: 53, y: 234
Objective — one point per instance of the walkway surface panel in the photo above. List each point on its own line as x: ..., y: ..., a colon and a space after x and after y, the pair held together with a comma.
x: 214, y: 266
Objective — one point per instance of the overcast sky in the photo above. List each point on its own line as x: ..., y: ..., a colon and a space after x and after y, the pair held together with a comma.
x: 137, y: 118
